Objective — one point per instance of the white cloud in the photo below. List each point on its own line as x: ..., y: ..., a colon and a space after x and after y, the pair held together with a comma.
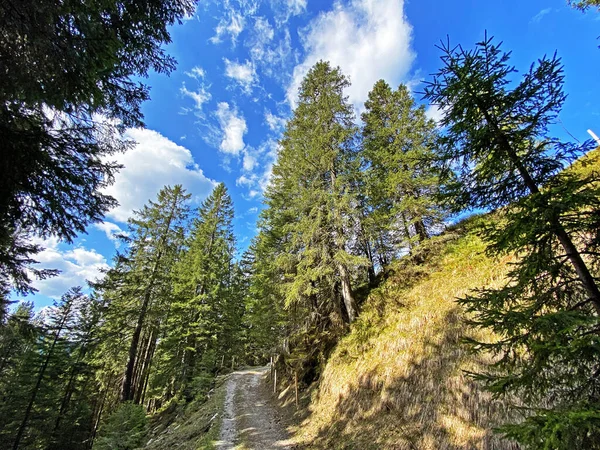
x: 197, y: 72
x: 246, y: 180
x: 264, y: 30
x: 296, y: 7
x: 111, y: 230
x: 274, y: 56
x: 232, y: 24
x: 275, y: 123
x: 368, y: 39
x: 434, y: 113
x: 200, y: 96
x: 242, y: 73
x: 249, y: 161
x: 261, y: 36
x: 256, y: 182
x: 539, y: 16
x: 76, y: 265
x: 284, y: 9
x: 233, y: 127
x: 155, y: 161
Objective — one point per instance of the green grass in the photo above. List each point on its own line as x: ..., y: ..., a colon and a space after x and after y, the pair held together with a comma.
x: 398, y: 380
x: 195, y: 426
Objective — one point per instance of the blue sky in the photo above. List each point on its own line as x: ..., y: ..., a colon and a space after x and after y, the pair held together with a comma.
x: 219, y: 115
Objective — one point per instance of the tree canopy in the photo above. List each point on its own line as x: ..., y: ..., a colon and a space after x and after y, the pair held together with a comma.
x: 71, y: 76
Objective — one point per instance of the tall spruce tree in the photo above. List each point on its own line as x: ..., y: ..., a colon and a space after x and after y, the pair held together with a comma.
x: 139, y: 288
x: 546, y: 316
x: 401, y: 175
x: 200, y: 320
x: 311, y: 197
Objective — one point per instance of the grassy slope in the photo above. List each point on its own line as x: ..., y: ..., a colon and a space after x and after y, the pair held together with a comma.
x: 397, y: 380
x: 192, y: 427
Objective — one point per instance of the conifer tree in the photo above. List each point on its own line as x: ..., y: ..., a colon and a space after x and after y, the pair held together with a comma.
x: 546, y: 316
x: 65, y: 66
x: 61, y: 319
x: 202, y: 291
x: 19, y: 351
x: 138, y: 289
x: 311, y: 199
x: 400, y: 170
x: 158, y: 230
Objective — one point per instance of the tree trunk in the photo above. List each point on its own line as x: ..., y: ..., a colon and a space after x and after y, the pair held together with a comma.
x: 347, y: 294
x: 370, y: 268
x: 127, y: 390
x: 573, y: 254
x: 144, y: 371
x: 406, y: 231
x: 421, y: 231
x: 40, y: 378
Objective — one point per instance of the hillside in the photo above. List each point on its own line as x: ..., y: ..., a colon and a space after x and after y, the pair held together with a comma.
x: 398, y: 379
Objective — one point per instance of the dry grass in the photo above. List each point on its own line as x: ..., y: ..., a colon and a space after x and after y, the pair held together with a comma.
x: 398, y: 381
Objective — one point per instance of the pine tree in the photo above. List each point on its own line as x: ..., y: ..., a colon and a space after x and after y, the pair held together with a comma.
x: 138, y: 289
x: 401, y: 174
x: 158, y: 238
x: 546, y: 316
x: 19, y: 337
x: 200, y: 312
x: 60, y: 321
x: 311, y: 197
x: 74, y: 412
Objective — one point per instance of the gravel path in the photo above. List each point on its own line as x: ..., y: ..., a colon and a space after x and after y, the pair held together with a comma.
x: 250, y: 422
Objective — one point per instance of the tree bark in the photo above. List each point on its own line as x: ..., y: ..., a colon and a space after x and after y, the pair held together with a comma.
x: 421, y: 231
x: 347, y: 294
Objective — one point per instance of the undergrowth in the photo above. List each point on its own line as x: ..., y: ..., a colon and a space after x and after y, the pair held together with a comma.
x: 193, y: 426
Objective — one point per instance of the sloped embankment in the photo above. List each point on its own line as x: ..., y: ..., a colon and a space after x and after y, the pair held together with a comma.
x: 398, y: 380
x: 190, y: 427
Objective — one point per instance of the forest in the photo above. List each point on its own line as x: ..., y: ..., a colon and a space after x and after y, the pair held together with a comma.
x: 350, y: 200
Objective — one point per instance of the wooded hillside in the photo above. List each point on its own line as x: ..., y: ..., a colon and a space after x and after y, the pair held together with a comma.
x: 409, y: 327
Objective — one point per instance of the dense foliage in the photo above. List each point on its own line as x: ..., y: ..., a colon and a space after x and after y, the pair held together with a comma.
x: 67, y: 92
x: 178, y: 307
x: 546, y: 316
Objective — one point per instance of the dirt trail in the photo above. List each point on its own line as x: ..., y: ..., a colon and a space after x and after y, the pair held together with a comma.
x: 250, y: 422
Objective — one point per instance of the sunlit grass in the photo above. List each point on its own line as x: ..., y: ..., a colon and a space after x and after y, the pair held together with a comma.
x: 398, y: 379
